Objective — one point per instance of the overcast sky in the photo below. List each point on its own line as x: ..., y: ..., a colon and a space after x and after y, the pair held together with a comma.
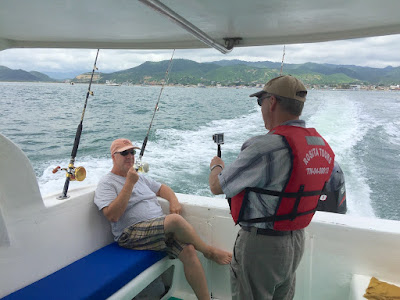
x: 376, y: 52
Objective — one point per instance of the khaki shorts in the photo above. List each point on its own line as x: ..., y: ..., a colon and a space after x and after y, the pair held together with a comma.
x: 150, y: 235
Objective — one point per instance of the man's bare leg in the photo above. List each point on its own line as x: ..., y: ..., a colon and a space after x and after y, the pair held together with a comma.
x: 194, y: 272
x: 185, y: 233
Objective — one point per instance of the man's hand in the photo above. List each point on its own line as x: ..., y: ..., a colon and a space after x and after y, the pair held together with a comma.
x: 132, y: 176
x: 167, y: 193
x: 175, y: 207
x: 217, y: 161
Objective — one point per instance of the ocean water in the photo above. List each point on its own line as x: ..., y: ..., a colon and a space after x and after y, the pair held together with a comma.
x: 362, y: 127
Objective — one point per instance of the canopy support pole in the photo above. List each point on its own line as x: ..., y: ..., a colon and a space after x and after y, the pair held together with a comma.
x: 189, y: 27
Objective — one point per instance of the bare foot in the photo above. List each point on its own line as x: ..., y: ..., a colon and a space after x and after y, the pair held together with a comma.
x: 219, y: 256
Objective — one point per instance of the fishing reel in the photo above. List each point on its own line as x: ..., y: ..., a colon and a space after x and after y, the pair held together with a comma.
x: 141, y: 167
x: 74, y: 173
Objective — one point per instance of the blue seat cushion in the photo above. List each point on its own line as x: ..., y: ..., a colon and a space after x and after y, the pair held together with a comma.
x: 96, y: 276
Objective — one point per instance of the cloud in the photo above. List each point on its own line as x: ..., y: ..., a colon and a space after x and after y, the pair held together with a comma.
x: 376, y: 52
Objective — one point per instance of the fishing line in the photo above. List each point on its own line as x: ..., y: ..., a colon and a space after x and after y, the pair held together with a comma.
x: 72, y: 172
x: 166, y: 79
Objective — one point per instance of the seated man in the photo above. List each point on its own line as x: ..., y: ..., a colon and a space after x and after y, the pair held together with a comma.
x: 129, y: 202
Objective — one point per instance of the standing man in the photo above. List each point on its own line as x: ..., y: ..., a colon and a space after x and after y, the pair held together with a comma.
x: 274, y: 187
x: 129, y: 201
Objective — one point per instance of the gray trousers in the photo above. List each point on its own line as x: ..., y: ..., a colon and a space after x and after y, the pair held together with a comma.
x: 264, y: 267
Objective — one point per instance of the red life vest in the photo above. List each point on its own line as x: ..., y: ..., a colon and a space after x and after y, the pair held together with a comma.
x: 312, y: 161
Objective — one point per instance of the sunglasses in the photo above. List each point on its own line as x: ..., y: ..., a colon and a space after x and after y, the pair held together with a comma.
x: 126, y: 152
x: 260, y: 100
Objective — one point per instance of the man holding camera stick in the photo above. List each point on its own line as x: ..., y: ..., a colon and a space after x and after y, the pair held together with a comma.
x: 273, y: 188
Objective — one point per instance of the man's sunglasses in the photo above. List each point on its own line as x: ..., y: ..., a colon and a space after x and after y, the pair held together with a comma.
x: 126, y: 152
x: 260, y: 100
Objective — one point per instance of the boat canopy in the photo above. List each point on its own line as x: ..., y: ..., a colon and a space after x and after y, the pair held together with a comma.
x: 171, y: 24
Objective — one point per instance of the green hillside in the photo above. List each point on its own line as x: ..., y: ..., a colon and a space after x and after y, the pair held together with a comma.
x: 367, y: 75
x: 230, y: 73
x: 236, y: 72
x: 7, y: 74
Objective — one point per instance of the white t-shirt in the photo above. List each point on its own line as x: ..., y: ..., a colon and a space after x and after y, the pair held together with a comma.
x: 143, y: 204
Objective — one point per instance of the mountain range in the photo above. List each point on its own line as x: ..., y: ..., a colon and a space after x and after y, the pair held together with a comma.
x: 228, y: 73
x: 7, y: 74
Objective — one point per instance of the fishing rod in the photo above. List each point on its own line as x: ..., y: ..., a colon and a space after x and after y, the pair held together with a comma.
x: 283, y: 57
x: 78, y: 173
x: 139, y: 165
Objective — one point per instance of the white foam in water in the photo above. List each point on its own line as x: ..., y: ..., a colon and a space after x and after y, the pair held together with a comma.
x: 338, y: 121
x: 183, y: 156
x: 347, y: 119
x: 173, y: 154
x: 392, y: 129
x: 178, y: 152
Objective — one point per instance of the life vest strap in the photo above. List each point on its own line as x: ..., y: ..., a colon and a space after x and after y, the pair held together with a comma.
x: 279, y: 218
x: 283, y: 194
x: 294, y: 213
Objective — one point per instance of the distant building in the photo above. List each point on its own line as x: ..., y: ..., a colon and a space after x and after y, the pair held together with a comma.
x: 86, y: 77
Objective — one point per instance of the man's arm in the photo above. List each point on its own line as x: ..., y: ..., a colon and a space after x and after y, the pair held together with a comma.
x: 118, y: 206
x: 167, y: 193
x: 217, y: 165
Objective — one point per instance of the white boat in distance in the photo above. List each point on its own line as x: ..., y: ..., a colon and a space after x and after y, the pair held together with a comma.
x: 112, y: 83
x: 41, y: 235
